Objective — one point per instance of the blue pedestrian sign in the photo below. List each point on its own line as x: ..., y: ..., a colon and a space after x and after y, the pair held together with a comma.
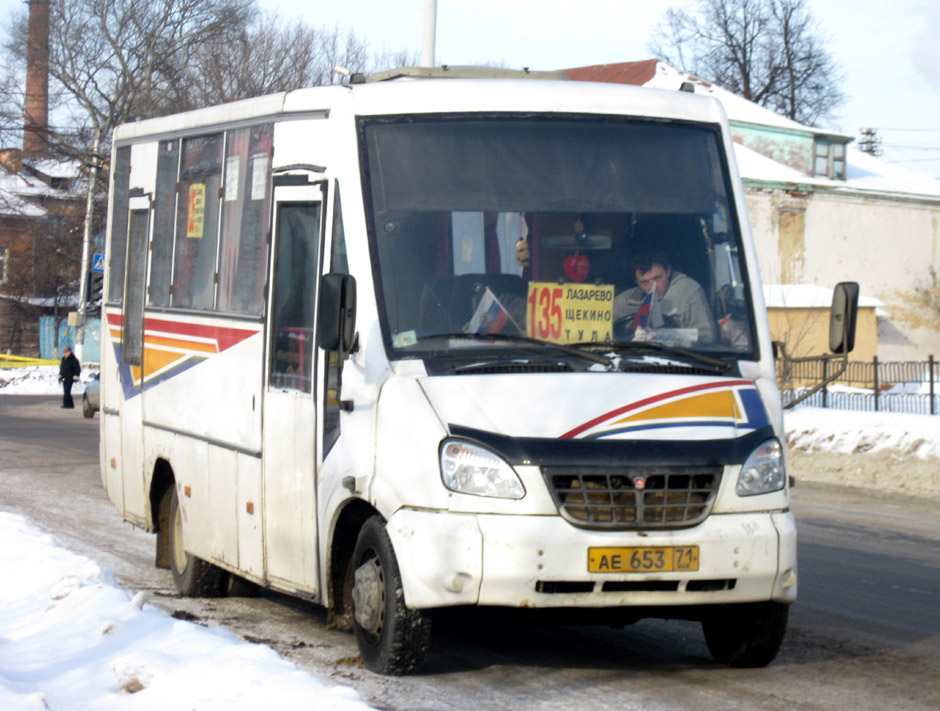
x: 97, y: 263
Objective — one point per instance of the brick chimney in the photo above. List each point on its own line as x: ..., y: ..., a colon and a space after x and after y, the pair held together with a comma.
x: 36, y: 106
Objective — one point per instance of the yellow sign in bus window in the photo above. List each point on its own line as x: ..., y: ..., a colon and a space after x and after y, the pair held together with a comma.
x: 570, y: 313
x: 196, y: 215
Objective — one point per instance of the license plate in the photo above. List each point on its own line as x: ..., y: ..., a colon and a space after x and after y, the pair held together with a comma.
x: 643, y: 560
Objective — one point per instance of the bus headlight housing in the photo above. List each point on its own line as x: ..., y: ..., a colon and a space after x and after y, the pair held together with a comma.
x: 763, y: 471
x: 471, y: 469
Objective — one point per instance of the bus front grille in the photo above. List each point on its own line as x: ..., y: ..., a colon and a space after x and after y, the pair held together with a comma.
x: 627, y: 498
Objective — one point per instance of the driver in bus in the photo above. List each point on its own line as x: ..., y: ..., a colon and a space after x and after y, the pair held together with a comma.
x: 679, y: 302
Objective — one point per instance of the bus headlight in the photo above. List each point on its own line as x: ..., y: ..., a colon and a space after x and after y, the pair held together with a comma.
x: 470, y: 469
x: 763, y: 471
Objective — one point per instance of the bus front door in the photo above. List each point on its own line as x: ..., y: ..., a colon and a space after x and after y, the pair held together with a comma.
x: 289, y: 416
x: 132, y: 357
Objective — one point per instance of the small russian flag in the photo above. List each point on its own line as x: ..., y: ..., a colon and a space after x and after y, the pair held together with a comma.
x: 490, y: 316
x: 649, y: 315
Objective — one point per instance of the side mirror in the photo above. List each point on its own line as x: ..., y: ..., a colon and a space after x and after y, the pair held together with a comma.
x: 842, y: 317
x: 336, y: 319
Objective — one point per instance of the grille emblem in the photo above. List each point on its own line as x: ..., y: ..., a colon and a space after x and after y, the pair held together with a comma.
x: 639, y: 483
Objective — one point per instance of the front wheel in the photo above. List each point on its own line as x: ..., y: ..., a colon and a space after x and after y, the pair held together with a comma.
x: 193, y: 576
x: 87, y: 410
x: 392, y: 639
x: 747, y: 635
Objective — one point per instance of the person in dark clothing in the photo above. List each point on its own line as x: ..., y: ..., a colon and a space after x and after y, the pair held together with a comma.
x: 69, y: 370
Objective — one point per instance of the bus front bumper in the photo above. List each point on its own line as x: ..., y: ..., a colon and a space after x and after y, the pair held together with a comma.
x: 450, y: 559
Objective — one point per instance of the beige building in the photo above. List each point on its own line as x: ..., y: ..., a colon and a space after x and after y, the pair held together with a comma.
x: 823, y: 212
x: 799, y: 317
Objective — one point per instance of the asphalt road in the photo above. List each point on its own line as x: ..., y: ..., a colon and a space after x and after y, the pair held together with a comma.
x: 864, y: 634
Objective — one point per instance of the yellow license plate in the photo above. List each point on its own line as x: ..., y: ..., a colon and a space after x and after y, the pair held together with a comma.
x: 643, y: 560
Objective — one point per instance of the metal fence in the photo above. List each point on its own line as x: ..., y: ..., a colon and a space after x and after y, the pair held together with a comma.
x: 893, y: 386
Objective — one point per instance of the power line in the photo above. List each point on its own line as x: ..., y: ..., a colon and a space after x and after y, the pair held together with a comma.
x: 909, y: 147
x: 925, y: 130
x: 912, y: 160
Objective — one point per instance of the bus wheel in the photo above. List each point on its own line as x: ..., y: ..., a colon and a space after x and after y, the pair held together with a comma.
x: 392, y: 639
x: 747, y: 635
x: 193, y: 576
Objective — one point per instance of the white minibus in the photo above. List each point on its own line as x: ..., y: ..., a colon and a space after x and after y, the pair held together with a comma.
x: 417, y: 343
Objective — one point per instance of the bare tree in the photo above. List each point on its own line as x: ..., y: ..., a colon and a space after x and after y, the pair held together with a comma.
x: 268, y: 56
x: 271, y: 55
x: 770, y: 52
x: 130, y: 51
x: 110, y: 60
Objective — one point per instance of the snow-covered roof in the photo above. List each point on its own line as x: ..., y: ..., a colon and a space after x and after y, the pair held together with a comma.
x: 17, y: 194
x: 66, y: 169
x: 69, y: 301
x: 807, y: 296
x: 22, y: 193
x: 738, y: 109
x: 864, y: 173
x: 655, y: 74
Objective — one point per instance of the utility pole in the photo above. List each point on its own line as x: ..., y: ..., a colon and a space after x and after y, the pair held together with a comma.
x: 86, y: 249
x: 430, y: 33
x: 870, y: 142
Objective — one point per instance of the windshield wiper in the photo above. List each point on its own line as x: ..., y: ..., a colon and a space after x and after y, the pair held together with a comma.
x: 575, y: 351
x: 718, y: 365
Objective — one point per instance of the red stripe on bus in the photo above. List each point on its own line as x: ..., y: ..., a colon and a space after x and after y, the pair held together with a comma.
x: 650, y: 400
x: 225, y: 337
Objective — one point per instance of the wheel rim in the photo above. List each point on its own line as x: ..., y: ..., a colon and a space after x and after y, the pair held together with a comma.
x: 178, y: 553
x: 368, y: 593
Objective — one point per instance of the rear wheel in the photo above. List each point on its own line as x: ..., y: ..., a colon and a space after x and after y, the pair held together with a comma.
x: 87, y: 410
x: 392, y: 639
x: 747, y: 635
x: 193, y: 576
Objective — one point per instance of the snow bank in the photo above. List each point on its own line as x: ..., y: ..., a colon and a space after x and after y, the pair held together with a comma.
x: 39, y: 380
x: 809, y: 429
x: 814, y: 429
x: 72, y: 639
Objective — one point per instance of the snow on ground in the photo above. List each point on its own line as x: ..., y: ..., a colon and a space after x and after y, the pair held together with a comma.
x: 72, y: 638
x: 813, y: 429
x: 40, y: 380
x: 809, y: 429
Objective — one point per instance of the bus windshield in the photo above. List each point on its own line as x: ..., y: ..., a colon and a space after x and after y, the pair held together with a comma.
x: 491, y: 231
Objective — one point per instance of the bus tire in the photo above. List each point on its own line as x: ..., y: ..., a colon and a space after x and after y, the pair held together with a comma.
x: 392, y: 638
x: 193, y: 576
x: 746, y: 635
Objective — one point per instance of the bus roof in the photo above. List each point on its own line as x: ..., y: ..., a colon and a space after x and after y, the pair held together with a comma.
x: 402, y: 96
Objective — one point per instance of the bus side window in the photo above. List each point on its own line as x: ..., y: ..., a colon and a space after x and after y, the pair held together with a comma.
x: 161, y: 261
x: 245, y: 210
x: 117, y: 258
x: 197, y: 229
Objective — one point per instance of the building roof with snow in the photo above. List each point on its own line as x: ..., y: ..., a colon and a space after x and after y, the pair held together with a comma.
x: 27, y: 188
x: 806, y: 296
x: 774, y: 151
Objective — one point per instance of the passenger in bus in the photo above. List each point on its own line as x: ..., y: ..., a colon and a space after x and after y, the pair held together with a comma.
x: 678, y: 302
